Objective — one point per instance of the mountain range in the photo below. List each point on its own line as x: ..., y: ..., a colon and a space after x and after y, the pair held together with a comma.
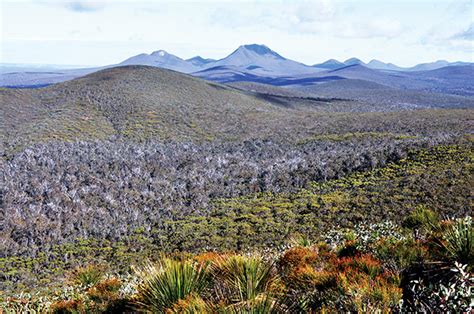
x: 258, y: 63
x: 263, y: 60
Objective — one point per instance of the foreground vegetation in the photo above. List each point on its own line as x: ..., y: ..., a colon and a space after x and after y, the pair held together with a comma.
x: 423, y: 185
x: 425, y: 265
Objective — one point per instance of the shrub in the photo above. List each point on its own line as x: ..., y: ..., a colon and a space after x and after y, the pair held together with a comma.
x: 454, y: 296
x: 208, y: 257
x: 105, y: 296
x: 308, y: 278
x: 190, y: 305
x: 169, y: 281
x: 244, y: 278
x: 68, y: 307
x: 400, y: 254
x: 298, y: 256
x: 458, y: 241
x: 367, y: 264
x: 366, y: 294
x: 25, y: 303
x: 421, y: 219
x: 88, y: 275
x: 300, y: 240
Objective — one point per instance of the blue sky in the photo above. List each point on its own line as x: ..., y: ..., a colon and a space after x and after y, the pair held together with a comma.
x: 107, y: 32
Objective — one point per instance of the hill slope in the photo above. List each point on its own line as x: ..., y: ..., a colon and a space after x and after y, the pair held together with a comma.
x: 133, y: 101
x: 385, y: 96
x: 141, y: 103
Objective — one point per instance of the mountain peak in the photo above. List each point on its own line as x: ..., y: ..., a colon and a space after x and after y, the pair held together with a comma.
x: 353, y: 61
x: 329, y: 64
x: 160, y: 53
x: 199, y: 61
x: 162, y: 59
x: 260, y: 50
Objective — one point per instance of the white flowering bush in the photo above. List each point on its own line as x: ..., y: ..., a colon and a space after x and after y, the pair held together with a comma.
x: 365, y: 234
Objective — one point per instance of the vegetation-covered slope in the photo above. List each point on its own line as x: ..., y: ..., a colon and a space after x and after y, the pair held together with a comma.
x: 141, y: 103
x: 332, y: 246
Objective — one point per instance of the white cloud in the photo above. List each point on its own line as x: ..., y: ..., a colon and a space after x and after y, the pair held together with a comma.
x: 377, y: 27
x: 104, y: 32
x: 84, y: 5
x: 467, y: 34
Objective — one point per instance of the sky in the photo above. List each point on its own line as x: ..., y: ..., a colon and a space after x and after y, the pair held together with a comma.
x: 107, y: 32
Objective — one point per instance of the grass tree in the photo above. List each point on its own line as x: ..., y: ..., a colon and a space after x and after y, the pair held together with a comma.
x: 246, y: 283
x: 172, y: 286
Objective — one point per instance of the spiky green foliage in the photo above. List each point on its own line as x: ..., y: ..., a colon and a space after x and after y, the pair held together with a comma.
x: 422, y: 218
x: 166, y: 283
x: 88, y: 275
x: 459, y: 241
x: 244, y: 280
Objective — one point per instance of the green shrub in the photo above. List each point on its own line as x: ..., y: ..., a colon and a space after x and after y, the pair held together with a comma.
x: 458, y: 241
x: 169, y: 281
x: 400, y: 254
x: 300, y: 240
x: 244, y: 278
x: 88, y: 275
x: 421, y: 219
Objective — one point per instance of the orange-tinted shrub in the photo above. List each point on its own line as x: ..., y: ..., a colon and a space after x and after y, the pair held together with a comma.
x: 106, y: 289
x: 306, y: 277
x: 67, y: 306
x: 363, y: 263
x: 299, y: 256
x: 208, y: 257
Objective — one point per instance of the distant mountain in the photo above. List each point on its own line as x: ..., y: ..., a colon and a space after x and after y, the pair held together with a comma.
x: 436, y: 65
x: 330, y: 64
x: 465, y: 72
x: 379, y: 65
x: 261, y: 60
x: 385, y: 96
x: 162, y: 59
x: 200, y: 61
x: 26, y: 67
x: 30, y: 78
x: 353, y: 61
x: 430, y: 66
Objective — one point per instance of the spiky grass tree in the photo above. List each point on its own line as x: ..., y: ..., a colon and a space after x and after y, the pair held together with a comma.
x: 443, y: 279
x: 247, y: 284
x: 172, y: 284
x: 459, y: 241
